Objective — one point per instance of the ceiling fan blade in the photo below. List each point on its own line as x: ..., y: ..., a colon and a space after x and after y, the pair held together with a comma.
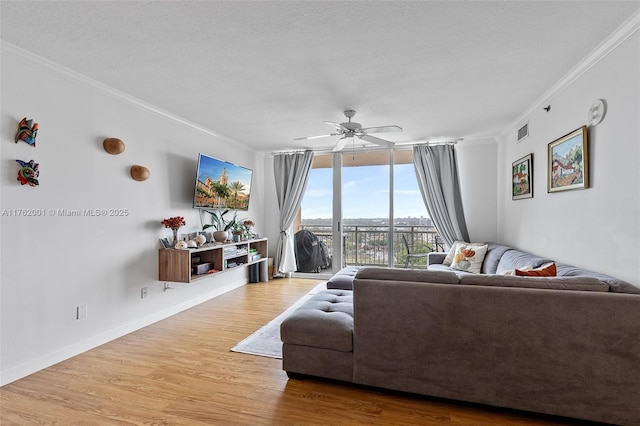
x: 316, y: 137
x: 337, y: 126
x: 341, y: 144
x: 382, y: 129
x: 377, y: 141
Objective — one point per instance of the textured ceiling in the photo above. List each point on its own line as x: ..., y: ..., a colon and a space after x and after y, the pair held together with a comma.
x: 265, y: 72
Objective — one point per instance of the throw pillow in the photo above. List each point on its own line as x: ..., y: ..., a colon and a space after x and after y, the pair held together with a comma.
x: 452, y: 251
x: 469, y: 258
x: 543, y: 271
x: 512, y: 272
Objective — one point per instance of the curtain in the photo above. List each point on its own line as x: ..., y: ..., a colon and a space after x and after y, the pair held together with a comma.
x: 291, y: 173
x: 437, y: 173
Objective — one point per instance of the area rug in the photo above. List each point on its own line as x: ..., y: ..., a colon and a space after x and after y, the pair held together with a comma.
x: 266, y: 341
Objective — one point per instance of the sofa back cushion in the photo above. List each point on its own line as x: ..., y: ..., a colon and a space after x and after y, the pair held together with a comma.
x: 492, y: 258
x: 416, y: 275
x: 551, y: 283
x: 615, y: 285
x: 516, y: 259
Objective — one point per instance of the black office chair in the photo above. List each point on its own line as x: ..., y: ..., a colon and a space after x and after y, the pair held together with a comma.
x: 411, y: 255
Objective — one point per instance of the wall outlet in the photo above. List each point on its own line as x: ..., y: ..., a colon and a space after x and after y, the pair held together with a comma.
x: 143, y: 292
x: 81, y: 311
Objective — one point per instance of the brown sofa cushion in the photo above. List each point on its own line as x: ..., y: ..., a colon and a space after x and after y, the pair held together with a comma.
x: 552, y: 283
x: 416, y: 275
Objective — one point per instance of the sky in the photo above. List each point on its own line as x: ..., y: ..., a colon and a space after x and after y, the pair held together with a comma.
x: 365, y: 193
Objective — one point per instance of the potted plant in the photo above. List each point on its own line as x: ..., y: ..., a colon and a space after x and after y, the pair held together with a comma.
x: 222, y: 225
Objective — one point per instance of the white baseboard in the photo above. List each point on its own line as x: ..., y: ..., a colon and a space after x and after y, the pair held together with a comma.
x: 45, y: 361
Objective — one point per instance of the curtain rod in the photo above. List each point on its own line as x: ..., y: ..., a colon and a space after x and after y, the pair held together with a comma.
x: 368, y: 148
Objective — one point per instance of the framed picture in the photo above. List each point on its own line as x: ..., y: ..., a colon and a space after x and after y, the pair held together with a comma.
x: 568, y: 162
x: 165, y: 243
x: 522, y: 178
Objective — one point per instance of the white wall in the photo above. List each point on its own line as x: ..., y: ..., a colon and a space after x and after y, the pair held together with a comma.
x: 478, y: 172
x: 49, y: 263
x: 598, y: 227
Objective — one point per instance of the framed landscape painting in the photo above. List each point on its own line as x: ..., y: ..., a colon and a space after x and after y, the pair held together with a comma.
x: 522, y: 178
x: 568, y: 165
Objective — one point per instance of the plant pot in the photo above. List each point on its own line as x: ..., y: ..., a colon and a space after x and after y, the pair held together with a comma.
x: 221, y: 236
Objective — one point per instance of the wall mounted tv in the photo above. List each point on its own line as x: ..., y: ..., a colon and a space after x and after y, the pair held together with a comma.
x: 221, y: 185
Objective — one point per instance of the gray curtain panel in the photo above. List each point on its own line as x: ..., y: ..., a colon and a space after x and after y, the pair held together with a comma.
x: 291, y: 173
x: 437, y: 173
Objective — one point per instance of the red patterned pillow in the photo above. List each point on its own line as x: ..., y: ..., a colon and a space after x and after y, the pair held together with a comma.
x: 543, y: 271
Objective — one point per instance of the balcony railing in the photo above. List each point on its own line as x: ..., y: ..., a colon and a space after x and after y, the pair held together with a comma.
x: 368, y: 245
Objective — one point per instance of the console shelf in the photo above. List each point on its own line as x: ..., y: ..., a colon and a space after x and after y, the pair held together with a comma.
x: 189, y: 265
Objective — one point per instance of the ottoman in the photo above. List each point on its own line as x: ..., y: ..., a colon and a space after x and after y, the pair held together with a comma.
x: 318, y: 337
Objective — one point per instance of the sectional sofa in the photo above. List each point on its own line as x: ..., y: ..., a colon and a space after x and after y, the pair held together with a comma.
x: 567, y: 345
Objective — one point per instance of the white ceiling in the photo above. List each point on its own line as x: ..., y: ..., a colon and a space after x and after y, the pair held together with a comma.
x: 265, y: 72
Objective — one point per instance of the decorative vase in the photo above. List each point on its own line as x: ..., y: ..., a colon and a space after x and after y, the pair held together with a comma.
x: 175, y: 236
x: 221, y: 236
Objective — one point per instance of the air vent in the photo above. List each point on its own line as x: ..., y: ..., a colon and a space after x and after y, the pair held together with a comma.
x: 523, y: 132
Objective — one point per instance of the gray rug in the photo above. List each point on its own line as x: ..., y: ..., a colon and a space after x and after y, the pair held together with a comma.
x: 266, y: 341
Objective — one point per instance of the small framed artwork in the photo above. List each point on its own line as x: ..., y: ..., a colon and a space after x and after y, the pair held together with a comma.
x: 568, y: 162
x: 522, y: 178
x: 165, y: 243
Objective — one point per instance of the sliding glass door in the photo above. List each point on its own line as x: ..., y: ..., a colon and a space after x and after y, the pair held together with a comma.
x: 363, y: 206
x: 366, y: 213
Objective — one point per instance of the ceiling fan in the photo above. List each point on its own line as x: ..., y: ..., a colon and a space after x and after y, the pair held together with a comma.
x: 350, y: 130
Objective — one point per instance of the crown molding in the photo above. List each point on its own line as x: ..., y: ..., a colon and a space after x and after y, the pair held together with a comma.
x: 11, y: 51
x: 624, y: 31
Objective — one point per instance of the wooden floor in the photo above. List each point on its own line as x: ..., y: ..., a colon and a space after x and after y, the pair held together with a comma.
x: 180, y: 371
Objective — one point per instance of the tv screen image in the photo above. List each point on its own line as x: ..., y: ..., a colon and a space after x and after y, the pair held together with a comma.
x: 221, y: 185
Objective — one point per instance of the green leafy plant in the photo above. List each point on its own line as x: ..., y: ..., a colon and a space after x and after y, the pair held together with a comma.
x: 220, y: 223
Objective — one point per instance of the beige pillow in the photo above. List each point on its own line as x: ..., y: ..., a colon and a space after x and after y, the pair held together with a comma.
x: 512, y: 272
x: 452, y: 251
x: 469, y: 258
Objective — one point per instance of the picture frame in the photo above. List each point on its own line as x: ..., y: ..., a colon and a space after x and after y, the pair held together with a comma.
x: 522, y: 178
x: 568, y: 162
x: 165, y: 243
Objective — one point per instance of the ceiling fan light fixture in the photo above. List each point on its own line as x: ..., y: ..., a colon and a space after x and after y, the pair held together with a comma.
x: 350, y: 129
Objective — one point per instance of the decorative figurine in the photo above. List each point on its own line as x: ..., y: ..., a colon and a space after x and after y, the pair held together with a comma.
x: 27, y: 131
x: 28, y: 173
x: 113, y: 146
x: 139, y: 173
x: 200, y: 240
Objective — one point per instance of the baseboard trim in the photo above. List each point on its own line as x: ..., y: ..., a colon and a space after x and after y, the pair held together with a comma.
x: 45, y: 361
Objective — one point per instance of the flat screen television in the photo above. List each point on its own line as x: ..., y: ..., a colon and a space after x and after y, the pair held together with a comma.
x: 221, y: 185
